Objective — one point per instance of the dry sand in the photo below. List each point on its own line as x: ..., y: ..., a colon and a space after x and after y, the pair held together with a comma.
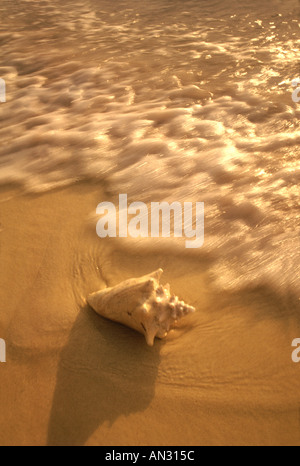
x: 224, y: 377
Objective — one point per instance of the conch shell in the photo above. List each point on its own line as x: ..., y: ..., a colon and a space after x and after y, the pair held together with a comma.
x: 142, y: 304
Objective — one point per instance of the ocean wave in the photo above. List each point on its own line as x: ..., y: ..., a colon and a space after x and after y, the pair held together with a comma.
x: 185, y: 101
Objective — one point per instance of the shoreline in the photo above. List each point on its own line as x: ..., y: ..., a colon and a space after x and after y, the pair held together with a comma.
x: 224, y: 376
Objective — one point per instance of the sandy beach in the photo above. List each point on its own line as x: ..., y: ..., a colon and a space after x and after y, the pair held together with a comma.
x: 224, y: 376
x: 190, y: 102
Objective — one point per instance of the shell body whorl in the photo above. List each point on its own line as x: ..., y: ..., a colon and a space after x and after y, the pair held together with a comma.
x: 141, y: 304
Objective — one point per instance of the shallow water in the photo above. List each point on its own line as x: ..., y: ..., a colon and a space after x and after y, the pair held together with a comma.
x: 164, y: 100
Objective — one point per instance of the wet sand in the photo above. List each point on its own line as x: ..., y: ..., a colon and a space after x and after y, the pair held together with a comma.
x: 223, y: 377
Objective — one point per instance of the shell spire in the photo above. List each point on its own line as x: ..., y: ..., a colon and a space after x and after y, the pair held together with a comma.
x: 142, y: 304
